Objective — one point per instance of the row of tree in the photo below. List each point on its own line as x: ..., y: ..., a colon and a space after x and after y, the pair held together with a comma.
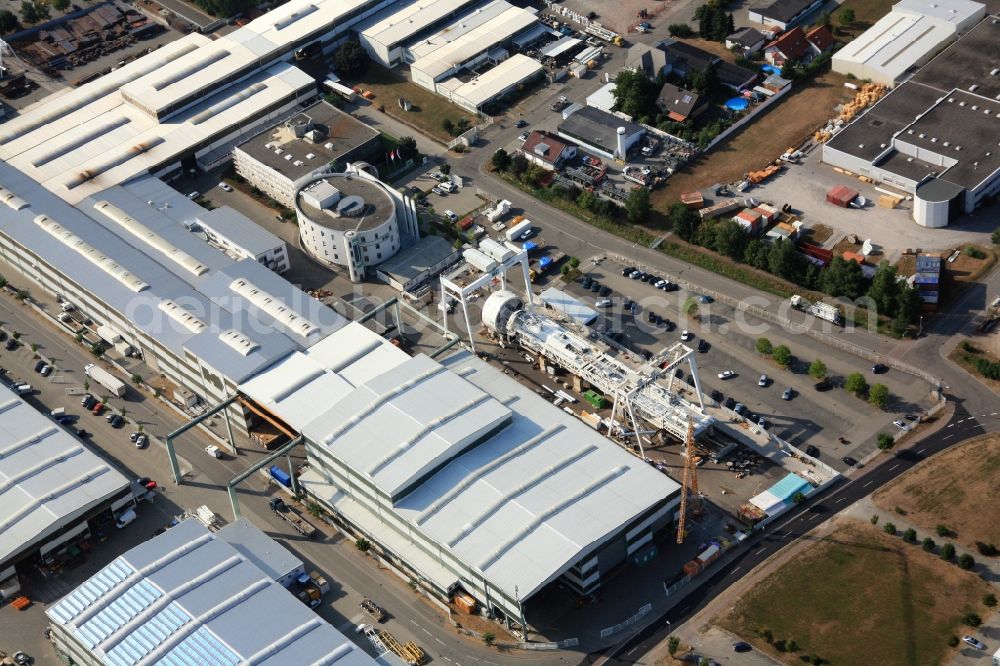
x: 714, y: 22
x: 841, y: 277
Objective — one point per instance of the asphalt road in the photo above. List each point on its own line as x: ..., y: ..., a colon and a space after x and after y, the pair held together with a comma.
x: 797, y: 524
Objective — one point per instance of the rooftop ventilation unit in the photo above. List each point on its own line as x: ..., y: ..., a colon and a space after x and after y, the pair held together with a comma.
x: 310, y: 156
x: 351, y: 206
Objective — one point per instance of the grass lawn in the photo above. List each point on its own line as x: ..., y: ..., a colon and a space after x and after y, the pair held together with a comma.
x: 428, y: 110
x: 785, y: 124
x: 860, y: 596
x: 957, y: 488
x: 866, y: 13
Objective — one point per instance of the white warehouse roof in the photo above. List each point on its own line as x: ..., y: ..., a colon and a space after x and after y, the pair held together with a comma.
x: 476, y: 462
x: 401, y: 21
x: 451, y: 52
x: 188, y: 596
x: 47, y: 477
x: 905, y: 37
x: 485, y: 87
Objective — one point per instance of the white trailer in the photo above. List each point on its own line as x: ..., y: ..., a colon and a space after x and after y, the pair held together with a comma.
x: 824, y: 311
x: 518, y: 230
x: 105, y: 379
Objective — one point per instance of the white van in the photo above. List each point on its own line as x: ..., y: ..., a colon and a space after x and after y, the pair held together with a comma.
x: 604, y: 303
x: 23, y: 389
x: 127, y: 517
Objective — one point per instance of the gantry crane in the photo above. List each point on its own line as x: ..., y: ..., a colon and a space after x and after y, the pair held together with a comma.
x: 689, y: 485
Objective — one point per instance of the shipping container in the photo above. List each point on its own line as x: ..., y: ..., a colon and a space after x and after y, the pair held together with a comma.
x: 841, y: 195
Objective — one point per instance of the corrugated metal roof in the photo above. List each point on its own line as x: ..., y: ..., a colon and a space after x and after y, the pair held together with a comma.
x: 48, y: 478
x: 189, y: 598
x: 475, y: 461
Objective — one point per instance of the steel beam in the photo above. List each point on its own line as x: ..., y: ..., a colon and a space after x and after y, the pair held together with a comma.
x: 175, y: 469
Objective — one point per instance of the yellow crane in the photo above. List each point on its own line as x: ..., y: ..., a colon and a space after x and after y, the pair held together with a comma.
x: 689, y: 485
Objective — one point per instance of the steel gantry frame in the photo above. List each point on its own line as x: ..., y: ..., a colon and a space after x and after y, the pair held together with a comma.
x: 260, y: 464
x: 175, y: 468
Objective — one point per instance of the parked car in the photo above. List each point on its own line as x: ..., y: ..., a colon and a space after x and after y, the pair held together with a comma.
x: 900, y: 423
x: 787, y: 395
x: 39, y: 366
x: 605, y: 291
x: 763, y: 381
x: 523, y: 137
x: 706, y: 299
x: 193, y: 195
x: 702, y: 346
x: 521, y: 122
x: 686, y: 335
x: 969, y: 640
x: 650, y: 316
x: 635, y: 275
x: 762, y: 422
x: 627, y: 271
x: 741, y: 646
x: 141, y: 441
x: 118, y: 421
x: 213, y: 451
x: 97, y: 409
x: 726, y: 374
x: 603, y: 303
x: 849, y: 461
x: 740, y: 409
x: 812, y: 451
x: 10, y: 345
x: 595, y: 286
x: 451, y: 215
x: 716, y: 395
x: 226, y: 187
x: 46, y: 370
x: 879, y: 368
x: 438, y: 190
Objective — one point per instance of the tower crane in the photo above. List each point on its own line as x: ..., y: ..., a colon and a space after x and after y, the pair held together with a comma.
x: 689, y: 485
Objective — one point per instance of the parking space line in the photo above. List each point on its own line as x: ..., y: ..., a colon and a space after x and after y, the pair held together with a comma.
x: 921, y: 450
x: 761, y: 550
x: 869, y: 483
x: 894, y: 467
x: 839, y: 500
x: 734, y: 571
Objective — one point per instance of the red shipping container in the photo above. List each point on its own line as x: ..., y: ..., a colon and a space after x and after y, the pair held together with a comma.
x: 841, y: 195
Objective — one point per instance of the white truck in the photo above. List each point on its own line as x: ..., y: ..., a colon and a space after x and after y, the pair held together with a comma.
x: 824, y: 311
x: 105, y: 379
x: 518, y: 231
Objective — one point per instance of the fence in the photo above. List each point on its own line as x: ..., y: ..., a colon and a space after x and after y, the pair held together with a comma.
x: 610, y: 631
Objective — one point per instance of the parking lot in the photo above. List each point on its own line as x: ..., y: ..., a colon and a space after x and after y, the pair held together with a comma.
x: 835, y: 422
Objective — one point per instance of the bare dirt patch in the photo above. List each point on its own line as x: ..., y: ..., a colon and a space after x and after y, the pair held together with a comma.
x: 787, y: 123
x: 957, y: 488
x: 860, y: 596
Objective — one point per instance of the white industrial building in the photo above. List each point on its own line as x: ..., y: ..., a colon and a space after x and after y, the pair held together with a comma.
x: 906, y: 38
x: 54, y: 491
x: 192, y: 99
x: 126, y: 259
x: 460, y: 475
x: 386, y: 35
x: 353, y: 219
x: 475, y: 39
x: 934, y: 135
x: 600, y: 132
x: 319, y: 138
x: 495, y: 83
x: 241, y: 238
x: 192, y: 596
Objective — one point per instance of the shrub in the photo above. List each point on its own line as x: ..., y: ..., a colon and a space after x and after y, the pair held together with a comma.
x: 966, y: 561
x: 878, y: 396
x: 889, y: 528
x: 680, y: 30
x: 990, y: 600
x: 948, y: 552
x: 136, y: 378
x: 874, y: 519
x: 974, y: 252
x: 782, y: 355
x: 767, y: 635
x: 791, y: 645
x: 972, y: 620
x: 953, y: 641
x: 764, y: 346
x: 942, y: 530
x: 910, y: 536
x: 489, y: 638
x: 672, y: 644
x: 929, y: 545
x: 856, y: 384
x: 362, y: 544
x: 986, y: 549
x: 885, y: 441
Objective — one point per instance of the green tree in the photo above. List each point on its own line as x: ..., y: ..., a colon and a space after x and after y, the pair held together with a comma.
x: 500, y: 160
x: 519, y: 164
x: 350, y: 59
x: 784, y: 261
x: 953, y: 641
x: 446, y: 168
x: 910, y: 536
x: 60, y: 5
x: 928, y: 545
x: 966, y: 561
x: 908, y: 304
x: 817, y: 369
x: 884, y: 289
x: 8, y: 22
x: 683, y: 222
x: 782, y: 355
x: 942, y: 530
x: 574, y: 262
x: 706, y: 81
x: 635, y: 94
x: 730, y: 239
x: 843, y: 278
x: 948, y: 552
x: 889, y: 528
x: 448, y: 126
x: 990, y: 600
x: 874, y: 519
x: 690, y: 306
x: 798, y: 498
x: 136, y: 378
x: 672, y: 644
x: 637, y: 205
x: 972, y: 619
x: 28, y: 12
x: 680, y: 30
x: 408, y: 146
x: 764, y: 346
x: 856, y: 384
x: 878, y: 396
x: 846, y: 17
x: 755, y: 254
x: 362, y: 544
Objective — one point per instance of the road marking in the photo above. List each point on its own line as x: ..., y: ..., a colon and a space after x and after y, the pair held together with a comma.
x: 951, y: 424
x: 761, y: 550
x: 894, y: 467
x: 631, y: 651
x: 947, y: 437
x: 869, y: 483
x: 921, y: 450
x: 994, y: 413
x: 840, y: 500
x: 734, y: 571
x: 814, y: 516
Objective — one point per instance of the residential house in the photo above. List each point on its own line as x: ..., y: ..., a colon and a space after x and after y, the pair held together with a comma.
x: 798, y: 45
x: 547, y: 150
x: 748, y: 40
x: 650, y: 60
x: 821, y: 39
x: 680, y: 104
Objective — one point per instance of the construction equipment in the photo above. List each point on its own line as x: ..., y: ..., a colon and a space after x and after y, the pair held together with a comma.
x: 376, y: 612
x: 409, y: 652
x: 689, y: 484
